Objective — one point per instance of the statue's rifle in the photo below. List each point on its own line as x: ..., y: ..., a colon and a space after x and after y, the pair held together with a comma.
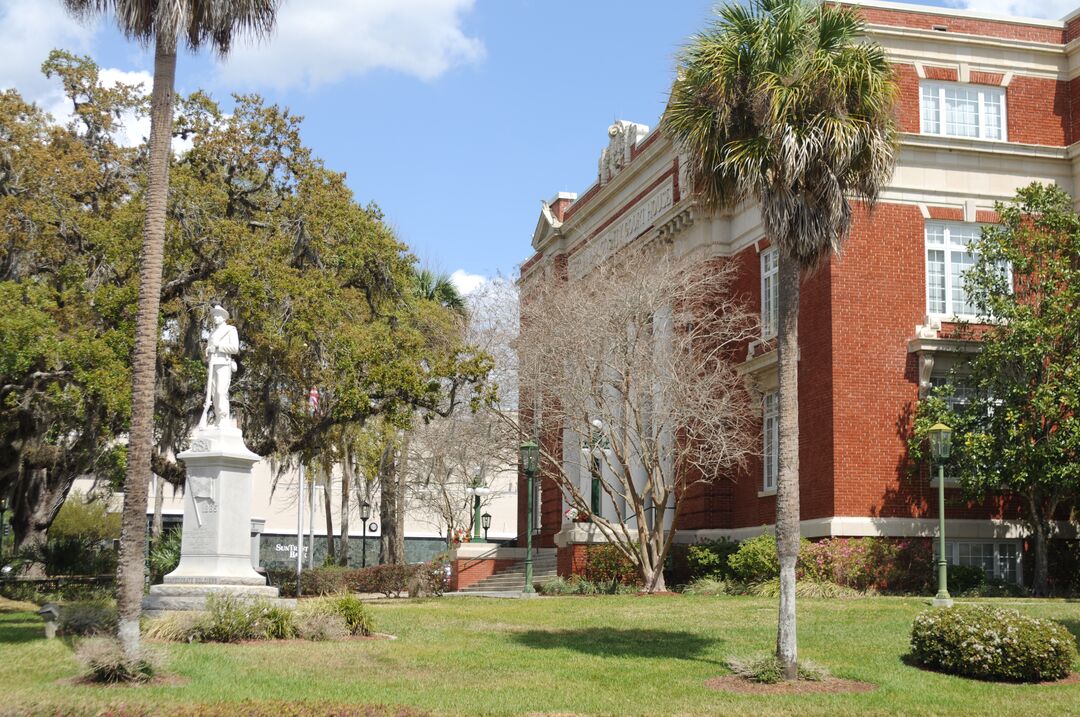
x: 209, y: 383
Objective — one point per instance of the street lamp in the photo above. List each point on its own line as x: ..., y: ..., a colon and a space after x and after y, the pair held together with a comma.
x: 940, y: 448
x: 365, y: 513
x: 486, y: 520
x: 530, y: 463
x: 3, y: 527
x: 476, y: 490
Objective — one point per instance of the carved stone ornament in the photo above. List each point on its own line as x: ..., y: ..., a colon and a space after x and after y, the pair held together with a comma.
x: 622, y: 136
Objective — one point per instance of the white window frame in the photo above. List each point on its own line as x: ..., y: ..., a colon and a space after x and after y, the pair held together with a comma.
x: 770, y: 292
x: 952, y: 547
x: 983, y: 91
x: 946, y: 247
x: 770, y: 442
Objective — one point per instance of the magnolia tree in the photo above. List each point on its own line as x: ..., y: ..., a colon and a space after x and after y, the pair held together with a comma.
x: 636, y: 364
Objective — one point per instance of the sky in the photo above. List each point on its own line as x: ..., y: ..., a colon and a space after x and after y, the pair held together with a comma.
x: 457, y: 117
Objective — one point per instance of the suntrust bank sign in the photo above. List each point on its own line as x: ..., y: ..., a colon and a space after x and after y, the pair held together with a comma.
x: 623, y: 231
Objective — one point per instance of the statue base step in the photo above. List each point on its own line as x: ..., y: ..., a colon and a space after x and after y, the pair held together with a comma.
x: 188, y: 597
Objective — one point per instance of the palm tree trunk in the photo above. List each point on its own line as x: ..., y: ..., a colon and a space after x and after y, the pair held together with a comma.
x: 787, y: 484
x: 346, y: 485
x: 132, y: 563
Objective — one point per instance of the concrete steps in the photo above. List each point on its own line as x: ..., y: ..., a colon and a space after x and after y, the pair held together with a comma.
x: 512, y: 579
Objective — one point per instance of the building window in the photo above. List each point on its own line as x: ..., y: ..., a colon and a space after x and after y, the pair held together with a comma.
x: 960, y: 110
x: 771, y: 442
x: 770, y: 292
x: 999, y: 560
x: 947, y: 258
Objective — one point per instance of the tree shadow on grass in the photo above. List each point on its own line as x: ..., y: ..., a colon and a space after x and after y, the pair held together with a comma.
x: 614, y: 642
x: 20, y: 627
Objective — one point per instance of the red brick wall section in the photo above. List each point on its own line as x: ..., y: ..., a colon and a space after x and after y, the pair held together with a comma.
x: 948, y: 74
x: 986, y: 78
x: 1038, y: 111
x: 1073, y: 128
x: 571, y: 559
x: 954, y: 214
x: 907, y: 82
x: 469, y: 572
x: 1072, y: 30
x: 969, y: 26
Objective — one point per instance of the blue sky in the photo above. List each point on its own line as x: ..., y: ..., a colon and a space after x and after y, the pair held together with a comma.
x: 456, y: 116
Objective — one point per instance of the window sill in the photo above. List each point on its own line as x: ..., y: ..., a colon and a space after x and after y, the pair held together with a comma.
x: 766, y: 493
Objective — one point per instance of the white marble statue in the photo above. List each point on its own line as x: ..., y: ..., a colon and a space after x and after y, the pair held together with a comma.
x: 223, y: 344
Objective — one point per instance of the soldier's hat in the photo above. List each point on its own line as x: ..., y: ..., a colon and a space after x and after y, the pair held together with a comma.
x: 219, y: 310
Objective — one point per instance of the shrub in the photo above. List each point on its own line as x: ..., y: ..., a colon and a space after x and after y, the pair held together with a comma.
x: 437, y: 575
x: 554, y: 586
x: 391, y: 580
x: 164, y: 554
x: 709, y: 559
x: 185, y: 626
x: 355, y: 616
x: 320, y: 626
x: 992, y: 644
x: 284, y: 579
x: 578, y: 585
x: 768, y: 669
x: 103, y: 660
x: 231, y: 618
x: 84, y: 619
x: 755, y: 559
x: 608, y: 564
x: 965, y: 579
x: 324, y: 581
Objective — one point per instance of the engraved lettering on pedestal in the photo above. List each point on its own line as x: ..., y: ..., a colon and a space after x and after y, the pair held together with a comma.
x: 200, y: 445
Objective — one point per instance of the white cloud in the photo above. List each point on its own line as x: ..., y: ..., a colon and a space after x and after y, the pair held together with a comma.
x: 1050, y: 9
x: 321, y: 41
x: 467, y: 283
x: 29, y: 31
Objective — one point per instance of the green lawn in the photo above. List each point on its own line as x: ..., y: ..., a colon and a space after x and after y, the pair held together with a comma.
x: 625, y: 655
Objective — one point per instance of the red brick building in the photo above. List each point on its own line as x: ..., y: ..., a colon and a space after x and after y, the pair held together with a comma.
x: 987, y: 105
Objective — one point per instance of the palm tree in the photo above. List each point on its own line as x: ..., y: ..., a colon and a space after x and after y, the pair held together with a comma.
x: 166, y: 23
x: 440, y: 289
x: 784, y: 103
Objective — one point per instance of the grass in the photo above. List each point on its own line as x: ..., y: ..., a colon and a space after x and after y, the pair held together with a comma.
x: 617, y: 655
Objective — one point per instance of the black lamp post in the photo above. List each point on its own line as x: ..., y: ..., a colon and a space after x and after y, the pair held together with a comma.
x: 940, y: 449
x: 486, y: 520
x: 3, y: 527
x: 365, y: 513
x: 530, y: 463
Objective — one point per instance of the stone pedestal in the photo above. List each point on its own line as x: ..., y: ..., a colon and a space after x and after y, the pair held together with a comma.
x: 215, y: 553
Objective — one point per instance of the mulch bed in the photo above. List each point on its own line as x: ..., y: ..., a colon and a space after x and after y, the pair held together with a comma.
x: 743, y: 686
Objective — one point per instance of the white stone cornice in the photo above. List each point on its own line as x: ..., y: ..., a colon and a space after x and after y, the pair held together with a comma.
x: 981, y: 146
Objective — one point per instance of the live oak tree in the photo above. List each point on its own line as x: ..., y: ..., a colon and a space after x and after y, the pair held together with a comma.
x: 319, y: 287
x: 1020, y: 431
x: 66, y: 291
x: 784, y: 102
x: 635, y: 364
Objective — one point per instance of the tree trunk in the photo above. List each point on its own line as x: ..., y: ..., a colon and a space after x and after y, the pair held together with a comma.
x: 132, y: 563
x: 390, y: 548
x: 346, y: 485
x: 1041, y: 516
x: 331, y: 554
x: 159, y: 504
x: 34, y: 508
x: 787, y: 484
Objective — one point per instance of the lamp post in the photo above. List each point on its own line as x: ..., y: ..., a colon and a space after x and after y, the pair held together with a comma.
x: 365, y: 513
x: 476, y: 491
x: 940, y: 448
x: 485, y: 519
x: 3, y: 527
x: 530, y: 462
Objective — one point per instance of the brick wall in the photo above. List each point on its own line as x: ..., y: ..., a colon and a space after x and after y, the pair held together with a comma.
x: 1038, y: 110
x: 570, y: 560
x: 464, y: 573
x: 969, y: 26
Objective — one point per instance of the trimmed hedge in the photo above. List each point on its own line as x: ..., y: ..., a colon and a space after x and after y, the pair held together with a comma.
x: 991, y: 643
x: 607, y: 564
x: 390, y: 580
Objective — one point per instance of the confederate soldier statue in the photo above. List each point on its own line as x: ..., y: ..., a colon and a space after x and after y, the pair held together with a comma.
x: 222, y: 345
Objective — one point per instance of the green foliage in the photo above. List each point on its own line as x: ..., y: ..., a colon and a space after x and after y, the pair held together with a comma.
x: 869, y: 563
x: 965, y: 579
x: 709, y: 558
x: 231, y: 619
x: 85, y: 519
x: 103, y: 660
x: 348, y: 616
x: 578, y: 585
x: 84, y: 619
x: 755, y: 559
x: 319, y: 626
x: 180, y: 626
x: 608, y: 564
x: 767, y: 669
x: 714, y: 587
x: 357, y: 617
x: 164, y: 554
x: 391, y: 580
x: 803, y: 589
x: 992, y: 644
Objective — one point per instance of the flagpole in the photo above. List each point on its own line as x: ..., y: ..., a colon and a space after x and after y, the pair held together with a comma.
x: 311, y: 526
